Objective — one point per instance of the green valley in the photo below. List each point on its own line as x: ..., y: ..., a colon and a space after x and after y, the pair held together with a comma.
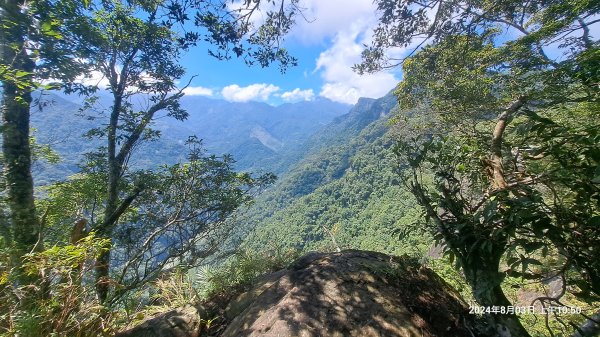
x: 343, y: 194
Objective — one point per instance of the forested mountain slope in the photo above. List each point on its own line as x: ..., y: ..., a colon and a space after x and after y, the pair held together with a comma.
x: 342, y: 129
x: 259, y: 136
x: 345, y: 193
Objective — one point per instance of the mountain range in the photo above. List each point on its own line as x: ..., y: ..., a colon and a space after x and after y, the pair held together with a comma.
x: 259, y: 136
x: 338, y: 185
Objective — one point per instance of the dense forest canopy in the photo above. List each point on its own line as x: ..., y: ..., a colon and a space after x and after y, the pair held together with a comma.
x: 489, y: 145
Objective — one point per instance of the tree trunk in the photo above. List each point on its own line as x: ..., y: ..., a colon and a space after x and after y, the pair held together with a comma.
x: 496, y: 159
x: 105, y: 231
x: 102, y: 267
x: 16, y: 101
x: 481, y: 272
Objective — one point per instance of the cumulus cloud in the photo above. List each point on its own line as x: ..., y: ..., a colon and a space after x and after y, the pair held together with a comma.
x: 97, y: 78
x: 259, y: 91
x: 320, y: 19
x: 93, y: 78
x: 345, y: 29
x: 325, y: 18
x: 298, y: 95
x: 342, y: 84
x: 198, y: 91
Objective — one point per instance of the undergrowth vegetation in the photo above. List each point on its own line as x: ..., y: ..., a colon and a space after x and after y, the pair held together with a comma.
x: 240, y: 270
x: 68, y: 305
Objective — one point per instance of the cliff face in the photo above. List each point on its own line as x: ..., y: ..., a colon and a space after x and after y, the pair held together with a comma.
x: 346, y: 294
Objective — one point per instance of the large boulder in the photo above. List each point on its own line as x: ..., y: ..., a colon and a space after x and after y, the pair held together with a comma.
x: 346, y: 294
x: 352, y: 293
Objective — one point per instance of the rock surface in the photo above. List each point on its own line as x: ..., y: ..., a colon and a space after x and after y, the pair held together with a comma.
x: 346, y: 294
x: 180, y: 322
x: 352, y: 293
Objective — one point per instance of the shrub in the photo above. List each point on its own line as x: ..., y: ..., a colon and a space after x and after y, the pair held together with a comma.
x: 64, y: 301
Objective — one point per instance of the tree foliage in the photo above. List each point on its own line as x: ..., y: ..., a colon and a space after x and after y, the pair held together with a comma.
x: 36, y: 46
x: 136, y: 47
x: 176, y: 220
x: 510, y: 135
x: 235, y: 29
x: 150, y: 221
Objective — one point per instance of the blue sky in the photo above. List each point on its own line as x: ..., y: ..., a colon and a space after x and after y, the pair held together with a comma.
x: 326, y: 48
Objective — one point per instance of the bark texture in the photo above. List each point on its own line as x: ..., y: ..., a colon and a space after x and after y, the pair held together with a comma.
x: 16, y: 101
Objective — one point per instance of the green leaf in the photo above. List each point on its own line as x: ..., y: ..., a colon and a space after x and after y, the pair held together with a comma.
x: 49, y: 29
x: 21, y: 73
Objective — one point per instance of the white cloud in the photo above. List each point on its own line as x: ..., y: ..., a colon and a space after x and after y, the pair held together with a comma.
x: 344, y: 28
x: 259, y: 91
x: 342, y: 84
x: 298, y: 95
x: 324, y: 18
x: 94, y: 78
x: 320, y: 19
x: 97, y: 78
x: 198, y: 91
